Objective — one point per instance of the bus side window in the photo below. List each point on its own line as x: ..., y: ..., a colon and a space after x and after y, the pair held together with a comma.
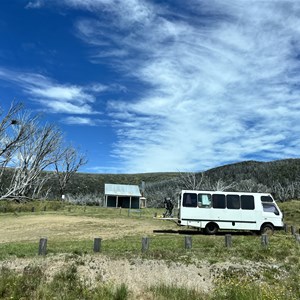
x: 189, y: 200
x: 270, y: 207
x: 266, y: 199
x: 247, y: 202
x: 218, y: 201
x: 204, y: 200
x: 233, y: 201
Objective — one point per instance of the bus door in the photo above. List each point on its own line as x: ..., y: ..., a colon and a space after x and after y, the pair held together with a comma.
x: 189, y: 213
x: 233, y: 210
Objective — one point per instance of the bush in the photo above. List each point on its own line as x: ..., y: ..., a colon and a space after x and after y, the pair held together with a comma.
x: 24, y: 286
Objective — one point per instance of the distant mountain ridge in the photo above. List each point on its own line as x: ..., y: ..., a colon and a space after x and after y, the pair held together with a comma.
x: 266, y: 173
x: 283, y: 171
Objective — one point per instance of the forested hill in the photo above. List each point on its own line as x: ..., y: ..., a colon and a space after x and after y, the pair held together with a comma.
x: 281, y: 177
x: 267, y: 173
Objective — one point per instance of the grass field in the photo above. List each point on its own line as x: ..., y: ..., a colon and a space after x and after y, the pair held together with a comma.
x: 166, y: 270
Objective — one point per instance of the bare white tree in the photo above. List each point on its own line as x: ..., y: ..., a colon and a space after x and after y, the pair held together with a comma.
x: 31, y: 148
x: 66, y: 165
x: 32, y: 157
x: 222, y: 186
x: 251, y: 185
x: 190, y: 180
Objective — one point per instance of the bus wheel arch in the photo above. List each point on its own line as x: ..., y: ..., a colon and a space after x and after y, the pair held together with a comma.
x: 267, y: 228
x: 211, y: 228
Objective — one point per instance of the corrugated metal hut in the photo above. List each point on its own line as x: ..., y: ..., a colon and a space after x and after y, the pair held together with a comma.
x: 122, y: 195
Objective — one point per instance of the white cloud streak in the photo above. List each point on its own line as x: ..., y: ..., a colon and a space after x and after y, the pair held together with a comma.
x: 223, y: 75
x: 54, y: 97
x: 35, y: 4
x: 81, y: 121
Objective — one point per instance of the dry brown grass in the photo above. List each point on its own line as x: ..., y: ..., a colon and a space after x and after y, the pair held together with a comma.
x: 66, y: 228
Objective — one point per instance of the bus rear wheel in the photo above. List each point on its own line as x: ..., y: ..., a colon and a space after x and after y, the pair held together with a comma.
x: 211, y: 228
x: 267, y: 229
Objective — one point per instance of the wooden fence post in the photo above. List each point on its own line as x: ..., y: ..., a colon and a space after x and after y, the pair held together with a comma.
x: 188, y: 242
x: 97, y: 244
x: 297, y: 237
x: 228, y: 240
x: 43, y: 246
x: 145, y: 244
x: 285, y: 226
x: 264, y: 240
x: 32, y: 209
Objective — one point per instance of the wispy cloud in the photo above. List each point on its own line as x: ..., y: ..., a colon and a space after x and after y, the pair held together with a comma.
x: 127, y: 11
x: 35, y: 4
x: 81, y: 121
x: 55, y: 97
x: 223, y: 76
x: 56, y: 106
x: 65, y: 93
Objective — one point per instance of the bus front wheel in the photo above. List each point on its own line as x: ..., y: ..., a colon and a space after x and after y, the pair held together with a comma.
x: 211, y: 228
x: 267, y: 229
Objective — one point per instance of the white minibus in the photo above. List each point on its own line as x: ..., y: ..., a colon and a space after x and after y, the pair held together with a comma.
x: 216, y: 210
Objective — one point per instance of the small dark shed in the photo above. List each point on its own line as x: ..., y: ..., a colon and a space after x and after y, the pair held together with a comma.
x: 122, y: 195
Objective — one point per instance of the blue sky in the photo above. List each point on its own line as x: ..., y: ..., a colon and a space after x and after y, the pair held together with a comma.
x: 150, y: 86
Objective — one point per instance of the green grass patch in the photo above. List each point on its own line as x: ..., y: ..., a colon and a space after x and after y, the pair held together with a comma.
x: 20, y: 249
x: 291, y: 211
x: 177, y: 293
x: 282, y: 248
x: 245, y: 288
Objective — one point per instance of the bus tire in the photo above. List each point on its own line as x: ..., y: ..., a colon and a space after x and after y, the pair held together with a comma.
x: 267, y: 229
x: 211, y: 228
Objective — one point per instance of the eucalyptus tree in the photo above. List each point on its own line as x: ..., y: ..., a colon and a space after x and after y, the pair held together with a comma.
x: 32, y: 148
x: 190, y: 180
x: 66, y: 164
x: 31, y: 159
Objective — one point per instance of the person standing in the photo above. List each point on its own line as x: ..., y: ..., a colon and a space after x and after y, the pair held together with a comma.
x: 169, y: 207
